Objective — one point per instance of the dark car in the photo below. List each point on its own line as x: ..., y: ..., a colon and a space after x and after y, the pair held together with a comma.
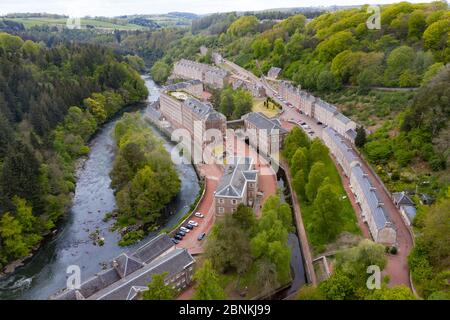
x: 175, y: 241
x: 189, y: 226
x: 181, y: 233
x: 177, y: 237
x: 303, y: 123
x: 319, y: 123
x: 201, y: 236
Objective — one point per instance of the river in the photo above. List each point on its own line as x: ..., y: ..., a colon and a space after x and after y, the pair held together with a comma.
x: 46, y: 273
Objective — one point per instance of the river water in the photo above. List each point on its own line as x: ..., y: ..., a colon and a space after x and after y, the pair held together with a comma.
x: 46, y: 273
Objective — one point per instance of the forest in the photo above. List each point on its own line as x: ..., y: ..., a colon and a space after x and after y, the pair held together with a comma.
x: 143, y: 177
x: 52, y: 99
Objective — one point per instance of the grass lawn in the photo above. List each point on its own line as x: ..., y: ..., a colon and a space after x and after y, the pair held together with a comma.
x: 348, y: 214
x: 30, y: 22
x: 258, y: 106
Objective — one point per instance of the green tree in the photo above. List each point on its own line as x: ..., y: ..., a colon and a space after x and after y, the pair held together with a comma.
x: 299, y: 161
x: 317, y: 152
x: 316, y: 176
x: 160, y: 71
x: 353, y: 262
x: 299, y: 182
x: 309, y: 292
x: 360, y: 139
x: 335, y: 44
x: 338, y: 287
x: 243, y: 102
x: 327, y: 218
x: 245, y: 217
x: 394, y: 293
x: 416, y: 24
x: 208, y: 286
x: 243, y: 26
x: 158, y: 289
x: 228, y: 248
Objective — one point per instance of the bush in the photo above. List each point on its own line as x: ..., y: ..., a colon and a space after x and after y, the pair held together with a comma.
x: 131, y: 238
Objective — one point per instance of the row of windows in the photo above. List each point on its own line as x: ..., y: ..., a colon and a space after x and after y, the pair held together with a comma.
x: 222, y: 209
x: 222, y: 201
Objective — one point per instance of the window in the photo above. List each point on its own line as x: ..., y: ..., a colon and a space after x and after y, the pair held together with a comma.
x: 220, y: 209
x: 220, y: 201
x: 234, y: 209
x: 234, y: 201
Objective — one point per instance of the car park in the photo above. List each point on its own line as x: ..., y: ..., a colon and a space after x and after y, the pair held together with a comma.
x: 201, y: 236
x: 193, y: 223
x: 199, y: 215
x: 184, y: 229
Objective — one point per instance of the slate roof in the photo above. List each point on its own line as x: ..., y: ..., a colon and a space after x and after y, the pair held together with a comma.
x: 380, y: 216
x: 181, y: 85
x: 401, y: 198
x: 203, y: 110
x: 326, y: 106
x: 410, y: 211
x: 123, y: 266
x: 342, y: 118
x: 235, y: 177
x: 262, y: 122
x: 205, y: 68
x: 173, y: 262
x: 347, y: 152
x: 275, y: 71
x: 351, y: 134
x: 154, y: 248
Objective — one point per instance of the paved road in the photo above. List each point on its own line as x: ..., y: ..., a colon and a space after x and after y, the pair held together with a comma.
x: 212, y: 174
x: 397, y: 267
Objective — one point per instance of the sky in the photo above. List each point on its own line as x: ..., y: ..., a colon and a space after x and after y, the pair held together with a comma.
x: 79, y: 8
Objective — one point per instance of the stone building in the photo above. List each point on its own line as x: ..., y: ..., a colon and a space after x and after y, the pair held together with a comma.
x: 264, y: 133
x: 372, y: 209
x: 184, y: 111
x: 129, y: 274
x: 210, y: 75
x: 239, y: 184
x: 193, y: 87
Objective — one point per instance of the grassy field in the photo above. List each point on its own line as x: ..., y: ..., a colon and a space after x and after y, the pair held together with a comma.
x: 39, y: 21
x: 258, y: 106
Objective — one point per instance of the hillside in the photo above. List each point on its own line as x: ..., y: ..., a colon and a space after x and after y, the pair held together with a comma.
x: 51, y: 101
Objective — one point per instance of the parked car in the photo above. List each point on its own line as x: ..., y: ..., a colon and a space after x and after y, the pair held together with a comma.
x: 199, y: 215
x: 189, y: 227
x: 193, y: 223
x: 184, y: 229
x: 175, y: 241
x: 201, y: 236
x: 303, y: 123
x: 181, y: 233
x: 177, y: 237
x: 319, y: 123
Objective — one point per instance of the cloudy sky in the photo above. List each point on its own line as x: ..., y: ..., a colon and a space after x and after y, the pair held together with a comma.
x: 121, y: 7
